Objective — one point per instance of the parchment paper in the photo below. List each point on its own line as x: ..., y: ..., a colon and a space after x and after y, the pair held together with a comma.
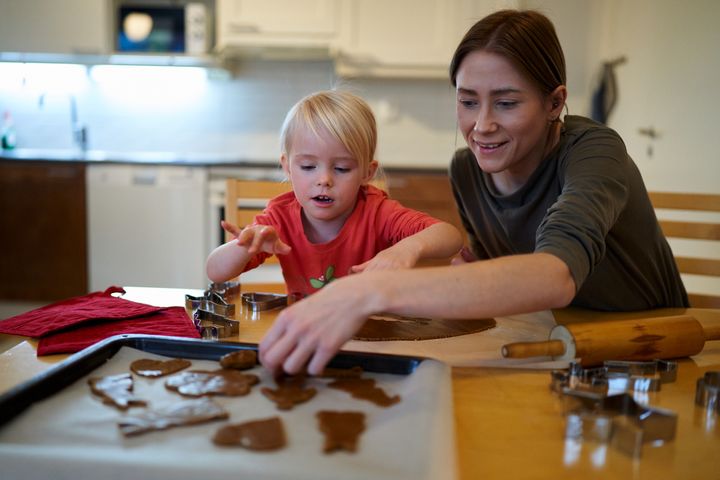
x: 482, y: 349
x: 73, y: 435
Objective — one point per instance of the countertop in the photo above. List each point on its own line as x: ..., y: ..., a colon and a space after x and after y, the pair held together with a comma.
x: 170, y: 158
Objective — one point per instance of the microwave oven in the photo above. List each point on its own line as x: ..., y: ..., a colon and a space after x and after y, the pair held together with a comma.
x: 168, y: 27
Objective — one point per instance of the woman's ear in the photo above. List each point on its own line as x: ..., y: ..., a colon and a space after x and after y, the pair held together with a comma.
x: 556, y: 101
x: 372, y: 168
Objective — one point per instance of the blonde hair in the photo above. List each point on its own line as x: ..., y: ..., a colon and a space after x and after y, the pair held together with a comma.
x: 342, y: 114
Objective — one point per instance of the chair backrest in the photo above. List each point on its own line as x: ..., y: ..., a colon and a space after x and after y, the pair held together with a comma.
x: 244, y: 199
x: 702, y: 239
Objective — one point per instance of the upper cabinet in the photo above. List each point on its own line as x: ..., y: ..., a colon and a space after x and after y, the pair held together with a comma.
x: 49, y: 26
x: 366, y: 38
x: 398, y: 38
x: 252, y: 24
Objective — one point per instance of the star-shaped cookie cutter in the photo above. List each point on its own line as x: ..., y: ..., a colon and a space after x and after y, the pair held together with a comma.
x: 616, y: 419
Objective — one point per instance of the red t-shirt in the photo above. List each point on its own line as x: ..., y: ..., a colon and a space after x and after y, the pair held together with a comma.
x: 375, y: 224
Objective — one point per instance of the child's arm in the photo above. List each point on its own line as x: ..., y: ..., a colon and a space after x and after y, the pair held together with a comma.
x: 228, y: 260
x: 440, y: 240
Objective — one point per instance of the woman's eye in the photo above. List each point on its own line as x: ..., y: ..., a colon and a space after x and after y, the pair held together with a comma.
x: 506, y: 103
x: 467, y: 103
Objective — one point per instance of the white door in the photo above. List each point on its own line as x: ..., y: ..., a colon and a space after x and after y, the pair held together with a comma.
x: 669, y: 88
x: 670, y: 84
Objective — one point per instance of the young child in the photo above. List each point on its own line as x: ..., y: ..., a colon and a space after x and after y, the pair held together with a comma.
x: 334, y: 222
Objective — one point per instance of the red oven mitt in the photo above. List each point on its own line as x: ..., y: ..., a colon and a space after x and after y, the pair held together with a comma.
x: 73, y: 324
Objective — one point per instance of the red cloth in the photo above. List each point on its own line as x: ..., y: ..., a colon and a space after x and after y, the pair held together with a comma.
x: 71, y: 325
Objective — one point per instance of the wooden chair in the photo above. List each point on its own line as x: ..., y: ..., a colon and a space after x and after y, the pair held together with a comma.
x: 694, y: 230
x: 244, y: 199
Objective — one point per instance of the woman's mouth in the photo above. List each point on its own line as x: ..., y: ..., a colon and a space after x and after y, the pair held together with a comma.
x: 489, y: 147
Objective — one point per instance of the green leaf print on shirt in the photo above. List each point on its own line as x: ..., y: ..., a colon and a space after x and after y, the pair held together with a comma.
x: 324, y: 279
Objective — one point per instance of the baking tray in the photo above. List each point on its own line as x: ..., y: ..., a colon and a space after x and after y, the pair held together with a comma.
x: 77, y: 366
x: 53, y: 423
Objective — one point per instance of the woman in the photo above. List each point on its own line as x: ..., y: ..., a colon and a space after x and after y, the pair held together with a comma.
x: 556, y: 212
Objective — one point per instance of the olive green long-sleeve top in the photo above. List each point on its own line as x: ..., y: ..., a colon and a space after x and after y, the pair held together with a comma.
x: 586, y: 204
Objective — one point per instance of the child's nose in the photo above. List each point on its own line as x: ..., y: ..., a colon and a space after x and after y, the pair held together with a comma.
x: 325, y: 178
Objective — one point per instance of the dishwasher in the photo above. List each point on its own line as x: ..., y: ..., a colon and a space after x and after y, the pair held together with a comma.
x: 147, y: 225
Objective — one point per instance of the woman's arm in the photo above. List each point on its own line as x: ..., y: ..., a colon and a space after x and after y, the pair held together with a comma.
x: 440, y: 240
x: 314, y: 329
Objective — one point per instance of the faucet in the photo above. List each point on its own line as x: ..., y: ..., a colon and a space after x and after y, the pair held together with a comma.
x: 79, y: 132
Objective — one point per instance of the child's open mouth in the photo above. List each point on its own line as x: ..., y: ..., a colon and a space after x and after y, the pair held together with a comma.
x: 322, y: 199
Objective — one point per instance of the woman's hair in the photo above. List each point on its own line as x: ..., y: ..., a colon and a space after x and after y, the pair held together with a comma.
x: 526, y: 38
x: 342, y: 114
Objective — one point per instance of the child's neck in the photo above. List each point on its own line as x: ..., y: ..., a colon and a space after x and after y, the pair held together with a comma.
x: 321, y: 231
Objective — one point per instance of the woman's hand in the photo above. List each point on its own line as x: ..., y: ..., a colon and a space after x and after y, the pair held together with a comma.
x: 310, y: 332
x: 258, y: 238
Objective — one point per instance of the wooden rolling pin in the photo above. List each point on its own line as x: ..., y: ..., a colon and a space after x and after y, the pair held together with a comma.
x: 639, y: 339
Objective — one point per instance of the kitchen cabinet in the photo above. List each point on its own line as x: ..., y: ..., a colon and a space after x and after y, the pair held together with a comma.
x: 44, y: 234
x: 405, y: 38
x: 398, y: 38
x: 292, y: 24
x: 49, y: 26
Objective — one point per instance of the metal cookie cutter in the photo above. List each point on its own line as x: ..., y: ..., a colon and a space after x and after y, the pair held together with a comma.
x: 260, y: 301
x: 226, y: 290
x: 211, y: 302
x: 618, y: 419
x: 616, y: 377
x: 707, y: 391
x: 213, y: 326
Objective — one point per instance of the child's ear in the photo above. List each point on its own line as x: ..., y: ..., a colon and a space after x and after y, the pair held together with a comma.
x: 285, y: 163
x: 372, y: 168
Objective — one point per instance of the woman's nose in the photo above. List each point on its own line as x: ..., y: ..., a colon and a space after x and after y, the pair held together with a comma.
x: 484, y: 122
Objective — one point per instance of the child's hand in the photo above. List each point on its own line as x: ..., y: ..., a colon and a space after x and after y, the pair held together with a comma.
x: 258, y: 238
x: 465, y: 255
x: 388, y: 259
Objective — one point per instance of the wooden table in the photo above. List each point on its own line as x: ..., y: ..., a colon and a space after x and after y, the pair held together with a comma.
x: 508, y: 423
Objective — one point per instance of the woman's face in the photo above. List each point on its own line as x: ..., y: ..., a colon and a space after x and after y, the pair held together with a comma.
x: 504, y: 118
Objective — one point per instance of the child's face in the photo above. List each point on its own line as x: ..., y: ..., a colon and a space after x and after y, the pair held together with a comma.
x: 324, y: 175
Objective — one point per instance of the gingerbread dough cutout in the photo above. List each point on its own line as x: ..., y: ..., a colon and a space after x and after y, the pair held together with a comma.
x: 116, y: 390
x: 290, y: 391
x: 364, y: 389
x: 388, y: 327
x: 196, y: 383
x: 146, y: 367
x: 239, y: 360
x: 341, y: 429
x: 262, y: 435
x: 186, y: 412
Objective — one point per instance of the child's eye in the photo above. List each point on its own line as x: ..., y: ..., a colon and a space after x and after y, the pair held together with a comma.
x: 307, y: 167
x: 342, y: 169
